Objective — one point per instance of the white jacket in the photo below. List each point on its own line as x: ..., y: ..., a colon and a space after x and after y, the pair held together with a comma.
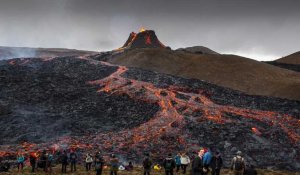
x: 185, y: 160
x: 89, y: 159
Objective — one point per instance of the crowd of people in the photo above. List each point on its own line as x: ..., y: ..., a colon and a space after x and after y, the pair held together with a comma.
x: 203, y: 163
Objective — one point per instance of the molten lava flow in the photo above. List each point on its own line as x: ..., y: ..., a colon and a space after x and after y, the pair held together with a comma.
x: 170, y: 105
x: 166, y: 128
x: 256, y: 131
x: 148, y: 39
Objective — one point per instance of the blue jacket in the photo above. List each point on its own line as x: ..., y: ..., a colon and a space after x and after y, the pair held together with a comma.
x: 207, y: 158
x: 20, y: 159
x: 177, y: 160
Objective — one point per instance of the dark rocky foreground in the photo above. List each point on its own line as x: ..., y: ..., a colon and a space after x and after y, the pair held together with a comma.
x: 130, y: 111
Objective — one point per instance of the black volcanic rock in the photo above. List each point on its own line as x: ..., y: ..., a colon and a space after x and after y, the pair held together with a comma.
x: 143, y: 39
x: 49, y: 100
x: 54, y: 96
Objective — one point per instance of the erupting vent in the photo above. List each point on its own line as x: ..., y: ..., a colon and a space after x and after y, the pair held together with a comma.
x: 143, y: 39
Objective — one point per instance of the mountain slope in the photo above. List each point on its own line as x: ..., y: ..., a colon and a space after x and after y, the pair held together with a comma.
x: 197, y: 50
x: 290, y: 59
x: 231, y: 71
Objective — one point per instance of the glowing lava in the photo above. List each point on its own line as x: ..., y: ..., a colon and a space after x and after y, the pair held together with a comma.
x: 142, y: 29
x: 169, y: 121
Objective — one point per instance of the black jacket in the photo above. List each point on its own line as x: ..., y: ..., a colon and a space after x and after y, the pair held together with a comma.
x: 167, y: 161
x: 197, y: 166
x: 216, y: 162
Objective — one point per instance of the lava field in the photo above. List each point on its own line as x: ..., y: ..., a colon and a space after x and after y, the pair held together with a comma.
x: 79, y: 102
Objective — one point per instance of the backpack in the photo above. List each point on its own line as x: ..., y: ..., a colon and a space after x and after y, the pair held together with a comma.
x: 168, y: 165
x: 239, y: 163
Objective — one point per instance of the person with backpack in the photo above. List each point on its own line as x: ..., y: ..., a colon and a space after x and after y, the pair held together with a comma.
x: 114, y: 165
x: 169, y: 164
x: 177, y: 162
x: 206, y: 160
x: 20, y: 161
x: 88, y: 162
x: 147, y: 164
x: 99, y: 163
x: 185, y: 161
x: 216, y: 164
x: 238, y: 164
x: 32, y: 160
x: 64, y: 162
x: 73, y: 160
x: 197, y: 164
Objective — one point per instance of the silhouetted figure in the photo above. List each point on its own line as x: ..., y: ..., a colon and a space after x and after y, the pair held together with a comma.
x: 114, y: 165
x: 50, y: 159
x: 88, y: 162
x: 147, y: 164
x: 73, y: 160
x: 185, y: 161
x: 64, y: 162
x: 32, y: 159
x: 216, y: 164
x: 178, y: 162
x: 20, y: 161
x: 238, y: 164
x: 197, y: 164
x: 99, y: 163
x: 206, y: 160
x: 44, y: 160
x: 169, y: 164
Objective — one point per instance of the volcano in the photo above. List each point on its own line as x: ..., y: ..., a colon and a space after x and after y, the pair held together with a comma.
x: 143, y: 39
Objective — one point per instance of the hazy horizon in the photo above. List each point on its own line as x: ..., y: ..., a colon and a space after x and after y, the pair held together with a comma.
x: 261, y: 30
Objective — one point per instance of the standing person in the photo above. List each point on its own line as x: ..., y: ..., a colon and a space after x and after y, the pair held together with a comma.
x: 197, y: 164
x: 169, y: 165
x: 216, y: 164
x: 50, y: 161
x: 20, y: 161
x: 185, y: 161
x: 238, y: 164
x: 147, y: 164
x: 88, y: 161
x: 32, y: 160
x: 44, y: 160
x: 178, y: 162
x: 99, y: 163
x: 73, y: 160
x: 206, y: 160
x: 64, y: 162
x: 114, y: 165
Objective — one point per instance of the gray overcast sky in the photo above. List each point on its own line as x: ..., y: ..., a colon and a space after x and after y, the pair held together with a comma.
x: 259, y: 29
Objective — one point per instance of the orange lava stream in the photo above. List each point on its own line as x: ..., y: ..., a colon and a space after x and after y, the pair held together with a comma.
x: 169, y: 120
x: 116, y: 84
